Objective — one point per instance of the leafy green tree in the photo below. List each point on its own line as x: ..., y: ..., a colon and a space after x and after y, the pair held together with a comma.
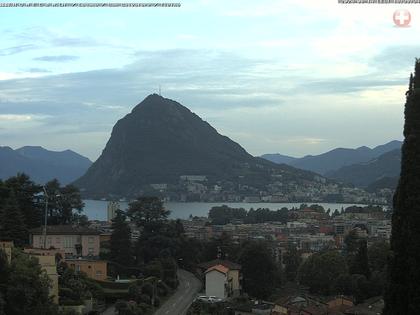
x: 221, y: 215
x: 4, y: 279
x: 12, y: 223
x: 403, y: 291
x: 147, y: 212
x: 351, y: 242
x: 360, y: 262
x: 120, y: 244
x: 258, y: 269
x: 317, y: 208
x: 336, y: 213
x: 378, y: 254
x: 76, y: 286
x: 360, y: 287
x: 27, y: 287
x: 321, y: 270
x: 343, y: 284
x: 292, y: 261
x: 63, y: 203
x: 26, y: 194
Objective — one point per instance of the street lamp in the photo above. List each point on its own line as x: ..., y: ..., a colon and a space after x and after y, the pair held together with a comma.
x: 45, y: 217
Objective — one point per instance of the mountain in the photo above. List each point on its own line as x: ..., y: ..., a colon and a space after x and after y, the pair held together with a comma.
x: 384, y: 182
x: 161, y: 140
x: 387, y: 165
x: 340, y: 157
x: 279, y: 158
x: 42, y: 165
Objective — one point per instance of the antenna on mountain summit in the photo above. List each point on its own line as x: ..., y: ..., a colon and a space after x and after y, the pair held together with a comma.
x: 160, y: 91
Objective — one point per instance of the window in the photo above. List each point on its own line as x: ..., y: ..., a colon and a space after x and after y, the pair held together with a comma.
x: 91, y: 239
x: 78, y: 268
x: 90, y: 251
x: 90, y: 267
x: 68, y: 242
x: 57, y: 240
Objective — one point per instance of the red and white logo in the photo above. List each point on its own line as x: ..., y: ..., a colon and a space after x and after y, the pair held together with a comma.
x: 402, y: 18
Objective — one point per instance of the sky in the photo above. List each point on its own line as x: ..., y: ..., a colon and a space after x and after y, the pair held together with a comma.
x: 295, y: 77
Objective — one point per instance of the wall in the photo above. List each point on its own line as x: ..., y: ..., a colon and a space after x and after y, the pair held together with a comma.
x: 94, y: 269
x: 215, y: 284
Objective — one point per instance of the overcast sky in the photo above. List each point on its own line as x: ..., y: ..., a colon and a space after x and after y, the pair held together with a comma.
x: 290, y: 76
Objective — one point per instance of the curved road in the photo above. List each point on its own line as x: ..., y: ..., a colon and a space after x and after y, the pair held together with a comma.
x: 181, y: 300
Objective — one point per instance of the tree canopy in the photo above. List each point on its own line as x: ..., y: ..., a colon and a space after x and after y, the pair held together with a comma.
x: 258, y: 269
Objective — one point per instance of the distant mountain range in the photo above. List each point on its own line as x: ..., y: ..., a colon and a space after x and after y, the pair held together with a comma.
x: 364, y: 174
x: 279, y: 158
x: 361, y: 167
x: 161, y: 140
x: 42, y: 165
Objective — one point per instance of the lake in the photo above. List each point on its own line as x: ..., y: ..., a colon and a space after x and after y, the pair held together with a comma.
x: 97, y: 209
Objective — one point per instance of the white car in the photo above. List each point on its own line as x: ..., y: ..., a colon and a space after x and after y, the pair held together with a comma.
x: 214, y: 299
x: 203, y: 298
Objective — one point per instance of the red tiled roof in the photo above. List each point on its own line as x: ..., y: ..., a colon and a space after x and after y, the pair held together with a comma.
x: 219, y: 268
x: 226, y: 263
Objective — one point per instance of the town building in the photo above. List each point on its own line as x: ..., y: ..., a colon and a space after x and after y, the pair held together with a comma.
x: 73, y: 240
x: 48, y: 262
x: 94, y: 269
x: 222, y: 278
x: 112, y: 208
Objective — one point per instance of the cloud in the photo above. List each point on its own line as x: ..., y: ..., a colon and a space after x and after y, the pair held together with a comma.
x: 16, y: 49
x: 263, y: 103
x: 15, y: 118
x: 60, y: 58
x: 37, y: 70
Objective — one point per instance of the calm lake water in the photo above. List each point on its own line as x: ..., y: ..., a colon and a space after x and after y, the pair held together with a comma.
x: 97, y: 209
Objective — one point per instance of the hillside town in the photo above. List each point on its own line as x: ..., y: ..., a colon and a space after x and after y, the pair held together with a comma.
x: 82, y: 255
x: 319, y: 189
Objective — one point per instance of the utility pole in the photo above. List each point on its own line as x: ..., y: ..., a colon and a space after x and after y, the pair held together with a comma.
x: 45, y: 217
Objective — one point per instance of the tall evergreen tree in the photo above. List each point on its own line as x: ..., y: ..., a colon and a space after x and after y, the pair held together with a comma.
x: 403, y: 291
x: 25, y: 193
x: 12, y: 223
x: 120, y: 244
x: 360, y: 261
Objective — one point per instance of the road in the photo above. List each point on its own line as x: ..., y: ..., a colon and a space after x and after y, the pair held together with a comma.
x: 180, y: 301
x: 109, y: 311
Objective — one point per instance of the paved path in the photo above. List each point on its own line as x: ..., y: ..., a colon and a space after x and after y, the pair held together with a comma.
x: 181, y: 300
x: 109, y: 311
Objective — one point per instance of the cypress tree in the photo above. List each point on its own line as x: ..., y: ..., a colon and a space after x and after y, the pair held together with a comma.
x: 120, y: 240
x: 402, y: 295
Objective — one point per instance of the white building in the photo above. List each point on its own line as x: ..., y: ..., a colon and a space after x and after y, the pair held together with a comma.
x: 222, y: 281
x: 113, y: 206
